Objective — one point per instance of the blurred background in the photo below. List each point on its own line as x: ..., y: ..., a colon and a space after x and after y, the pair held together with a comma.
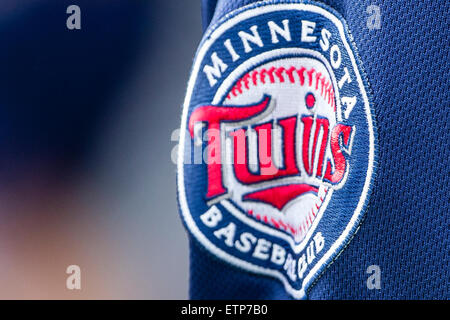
x: 86, y: 121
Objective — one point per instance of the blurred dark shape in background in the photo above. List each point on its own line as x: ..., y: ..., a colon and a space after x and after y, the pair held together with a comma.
x: 55, y: 82
x: 86, y: 119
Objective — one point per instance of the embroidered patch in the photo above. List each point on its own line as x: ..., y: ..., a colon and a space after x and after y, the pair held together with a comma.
x: 277, y: 145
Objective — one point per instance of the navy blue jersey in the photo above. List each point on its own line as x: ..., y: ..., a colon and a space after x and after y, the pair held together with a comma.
x: 322, y: 129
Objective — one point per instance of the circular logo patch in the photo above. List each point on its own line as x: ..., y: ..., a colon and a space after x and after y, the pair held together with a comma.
x: 277, y: 145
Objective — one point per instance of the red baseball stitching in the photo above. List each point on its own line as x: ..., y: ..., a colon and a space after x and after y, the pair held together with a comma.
x: 281, y: 75
x: 286, y: 226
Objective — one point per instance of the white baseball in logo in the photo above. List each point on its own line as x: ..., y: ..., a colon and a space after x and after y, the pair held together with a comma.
x: 301, y: 90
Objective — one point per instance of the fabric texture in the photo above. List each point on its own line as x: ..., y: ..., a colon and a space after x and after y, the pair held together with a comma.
x: 405, y: 231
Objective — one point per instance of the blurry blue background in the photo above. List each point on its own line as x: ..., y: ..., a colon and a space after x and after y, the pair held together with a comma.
x: 86, y: 120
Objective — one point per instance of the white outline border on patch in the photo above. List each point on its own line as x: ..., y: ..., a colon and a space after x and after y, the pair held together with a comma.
x: 337, y: 245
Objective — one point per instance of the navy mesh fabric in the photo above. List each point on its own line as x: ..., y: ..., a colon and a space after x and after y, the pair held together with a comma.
x: 405, y: 230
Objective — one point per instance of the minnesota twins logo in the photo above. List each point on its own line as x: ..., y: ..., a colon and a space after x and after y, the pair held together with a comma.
x: 278, y: 106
